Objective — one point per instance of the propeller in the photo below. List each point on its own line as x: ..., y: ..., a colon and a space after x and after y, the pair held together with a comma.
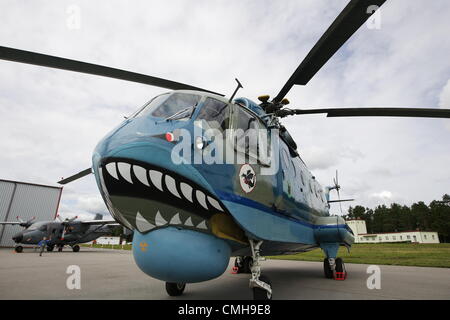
x: 337, y: 187
x: 354, y: 15
x: 77, y: 176
x: 44, y: 60
x: 370, y: 112
x: 23, y: 223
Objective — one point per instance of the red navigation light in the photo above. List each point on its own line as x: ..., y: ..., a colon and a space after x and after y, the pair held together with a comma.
x: 169, y: 136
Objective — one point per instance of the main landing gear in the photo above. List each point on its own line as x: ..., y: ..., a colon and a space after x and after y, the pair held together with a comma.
x: 262, y: 288
x: 334, y: 269
x: 18, y: 249
x: 76, y: 248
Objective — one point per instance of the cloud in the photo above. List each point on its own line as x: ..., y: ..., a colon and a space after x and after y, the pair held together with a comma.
x: 51, y: 120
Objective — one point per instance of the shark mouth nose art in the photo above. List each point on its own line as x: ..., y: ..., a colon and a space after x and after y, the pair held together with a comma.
x: 150, y: 197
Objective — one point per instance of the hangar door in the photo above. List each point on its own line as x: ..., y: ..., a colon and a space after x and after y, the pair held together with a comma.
x: 25, y: 200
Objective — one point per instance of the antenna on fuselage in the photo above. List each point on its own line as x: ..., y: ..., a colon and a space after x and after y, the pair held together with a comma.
x: 239, y: 86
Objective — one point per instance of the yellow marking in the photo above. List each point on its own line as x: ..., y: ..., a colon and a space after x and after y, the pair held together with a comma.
x: 143, y: 246
x: 223, y: 226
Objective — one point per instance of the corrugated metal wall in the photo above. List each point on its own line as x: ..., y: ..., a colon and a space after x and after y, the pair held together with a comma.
x: 26, y: 201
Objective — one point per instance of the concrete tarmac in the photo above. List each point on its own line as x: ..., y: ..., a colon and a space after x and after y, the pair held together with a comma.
x: 112, y: 274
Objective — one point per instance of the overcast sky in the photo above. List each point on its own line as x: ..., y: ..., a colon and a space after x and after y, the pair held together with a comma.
x: 51, y: 120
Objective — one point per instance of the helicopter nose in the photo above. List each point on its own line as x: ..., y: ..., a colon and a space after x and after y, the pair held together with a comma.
x: 18, y: 237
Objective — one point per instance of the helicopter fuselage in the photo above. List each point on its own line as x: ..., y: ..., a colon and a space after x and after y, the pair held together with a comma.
x: 194, y: 199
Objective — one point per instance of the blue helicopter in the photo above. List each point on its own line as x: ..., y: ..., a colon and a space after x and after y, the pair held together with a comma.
x: 189, y: 214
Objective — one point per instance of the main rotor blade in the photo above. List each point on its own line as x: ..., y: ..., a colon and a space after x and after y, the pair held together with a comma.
x: 377, y: 112
x: 76, y: 176
x: 354, y: 15
x: 44, y: 60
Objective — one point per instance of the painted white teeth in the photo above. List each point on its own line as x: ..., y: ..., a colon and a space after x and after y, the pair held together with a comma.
x: 201, y: 199
x: 170, y: 183
x: 188, y: 222
x: 202, y: 225
x: 156, y: 178
x: 141, y: 174
x: 175, y: 219
x: 111, y: 168
x: 124, y: 169
x: 159, y: 220
x: 186, y: 190
x: 214, y: 203
x: 141, y: 224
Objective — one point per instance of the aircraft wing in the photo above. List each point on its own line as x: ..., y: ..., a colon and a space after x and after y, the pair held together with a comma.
x: 93, y: 222
x: 10, y: 222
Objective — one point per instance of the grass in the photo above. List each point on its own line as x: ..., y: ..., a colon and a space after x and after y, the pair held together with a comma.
x: 399, y: 254
x: 109, y: 246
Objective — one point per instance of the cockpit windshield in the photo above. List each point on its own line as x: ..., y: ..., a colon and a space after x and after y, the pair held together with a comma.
x: 175, y: 106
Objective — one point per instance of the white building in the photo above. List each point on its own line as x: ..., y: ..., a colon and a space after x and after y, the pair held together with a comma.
x: 361, y: 236
x: 107, y: 240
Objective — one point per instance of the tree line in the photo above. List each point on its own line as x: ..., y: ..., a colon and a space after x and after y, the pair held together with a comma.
x: 397, y: 218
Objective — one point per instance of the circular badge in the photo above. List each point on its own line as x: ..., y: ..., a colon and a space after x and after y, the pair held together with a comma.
x: 247, y: 178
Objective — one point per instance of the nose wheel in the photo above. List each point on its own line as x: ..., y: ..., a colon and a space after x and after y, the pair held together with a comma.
x: 18, y: 249
x: 260, y: 284
x: 175, y: 289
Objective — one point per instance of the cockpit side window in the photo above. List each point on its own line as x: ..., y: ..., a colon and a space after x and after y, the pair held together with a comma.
x: 252, y: 136
x: 216, y: 113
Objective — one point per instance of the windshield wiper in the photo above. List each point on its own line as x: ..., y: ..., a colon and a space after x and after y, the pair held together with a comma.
x: 177, y: 115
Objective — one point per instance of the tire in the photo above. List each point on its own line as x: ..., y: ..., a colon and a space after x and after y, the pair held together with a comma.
x: 175, y: 289
x: 76, y: 248
x: 327, y: 269
x: 340, y: 267
x: 261, y: 294
x: 247, y: 265
x: 49, y: 248
x: 18, y: 249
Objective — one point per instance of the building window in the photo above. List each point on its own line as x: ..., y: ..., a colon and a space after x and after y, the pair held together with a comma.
x: 387, y: 238
x: 409, y: 237
x: 424, y: 236
x: 432, y: 236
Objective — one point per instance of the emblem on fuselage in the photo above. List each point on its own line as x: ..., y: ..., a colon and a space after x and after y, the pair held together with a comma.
x: 247, y: 178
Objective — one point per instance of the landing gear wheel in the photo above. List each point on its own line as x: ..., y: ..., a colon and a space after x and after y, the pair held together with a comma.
x: 75, y: 248
x: 327, y: 269
x: 175, y: 289
x: 261, y: 294
x: 341, y: 273
x: 49, y: 248
x: 247, y: 265
x: 60, y: 248
x: 18, y: 249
